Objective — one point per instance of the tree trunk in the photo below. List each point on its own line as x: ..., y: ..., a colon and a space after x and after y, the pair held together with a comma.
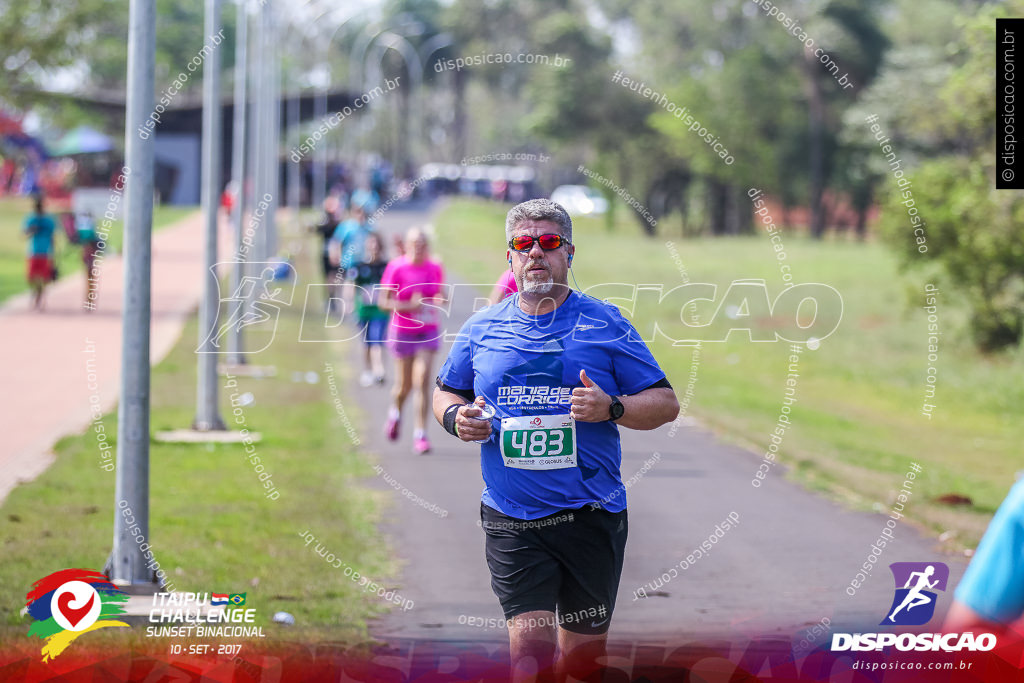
x: 716, y: 193
x: 816, y: 121
x: 863, y: 203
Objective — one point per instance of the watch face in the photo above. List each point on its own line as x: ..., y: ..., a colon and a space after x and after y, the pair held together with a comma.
x: 617, y: 409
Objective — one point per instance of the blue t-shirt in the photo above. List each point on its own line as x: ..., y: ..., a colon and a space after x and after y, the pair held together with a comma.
x: 352, y: 236
x: 367, y: 199
x: 40, y: 243
x: 993, y: 585
x: 86, y: 229
x: 528, y: 365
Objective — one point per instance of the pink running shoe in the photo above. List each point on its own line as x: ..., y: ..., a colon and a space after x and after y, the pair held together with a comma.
x: 421, y: 446
x: 391, y: 428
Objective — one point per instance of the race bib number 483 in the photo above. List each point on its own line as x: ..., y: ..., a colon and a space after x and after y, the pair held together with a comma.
x: 539, y: 442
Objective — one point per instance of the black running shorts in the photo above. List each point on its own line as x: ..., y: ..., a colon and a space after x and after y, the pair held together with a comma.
x: 570, y: 560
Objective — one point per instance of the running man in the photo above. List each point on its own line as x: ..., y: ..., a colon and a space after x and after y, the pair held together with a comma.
x: 40, y: 229
x: 914, y: 597
x: 564, y: 371
x: 411, y: 287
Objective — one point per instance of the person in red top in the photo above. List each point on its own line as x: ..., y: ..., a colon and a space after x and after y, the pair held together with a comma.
x: 40, y: 229
x: 412, y: 290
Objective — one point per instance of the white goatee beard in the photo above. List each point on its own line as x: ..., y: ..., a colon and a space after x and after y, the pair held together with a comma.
x: 538, y: 287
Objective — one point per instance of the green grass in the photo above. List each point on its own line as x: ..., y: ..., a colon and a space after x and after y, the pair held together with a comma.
x: 13, y: 211
x: 857, y: 423
x: 212, y: 528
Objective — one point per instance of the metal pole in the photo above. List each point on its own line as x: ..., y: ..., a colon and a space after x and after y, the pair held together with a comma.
x: 127, y: 563
x: 259, y: 160
x: 319, y: 168
x: 274, y: 140
x: 255, y: 121
x: 293, y: 169
x: 238, y: 171
x: 266, y: 93
x: 207, y: 413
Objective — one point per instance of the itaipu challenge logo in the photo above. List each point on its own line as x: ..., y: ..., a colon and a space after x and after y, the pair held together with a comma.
x: 69, y: 603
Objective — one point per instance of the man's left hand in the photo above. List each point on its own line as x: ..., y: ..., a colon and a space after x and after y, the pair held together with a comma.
x: 589, y: 403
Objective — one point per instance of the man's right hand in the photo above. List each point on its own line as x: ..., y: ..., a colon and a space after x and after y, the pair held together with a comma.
x: 469, y: 429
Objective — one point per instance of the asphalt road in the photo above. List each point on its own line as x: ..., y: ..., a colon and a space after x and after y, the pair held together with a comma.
x: 781, y: 569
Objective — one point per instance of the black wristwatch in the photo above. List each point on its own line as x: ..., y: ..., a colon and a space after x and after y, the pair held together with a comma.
x: 616, y: 409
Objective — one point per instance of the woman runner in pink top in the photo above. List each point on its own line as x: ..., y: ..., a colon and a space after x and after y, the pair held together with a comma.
x: 411, y: 287
x: 504, y: 287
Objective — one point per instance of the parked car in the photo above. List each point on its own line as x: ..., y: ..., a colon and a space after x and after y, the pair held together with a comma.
x: 580, y: 200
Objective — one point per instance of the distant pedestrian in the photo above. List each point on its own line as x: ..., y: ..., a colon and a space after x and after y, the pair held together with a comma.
x: 346, y: 243
x: 89, y: 241
x: 325, y: 228
x: 40, y: 229
x: 373, y: 320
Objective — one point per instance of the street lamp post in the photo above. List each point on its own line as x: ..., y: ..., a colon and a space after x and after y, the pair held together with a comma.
x: 207, y: 412
x: 127, y: 562
x: 274, y: 134
x: 236, y: 356
x: 414, y: 67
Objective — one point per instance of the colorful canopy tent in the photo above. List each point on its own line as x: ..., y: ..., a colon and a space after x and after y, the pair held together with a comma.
x: 12, y: 135
x: 82, y: 140
x: 31, y: 145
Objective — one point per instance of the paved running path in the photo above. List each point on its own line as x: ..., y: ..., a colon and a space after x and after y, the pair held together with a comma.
x: 45, y: 374
x: 784, y: 568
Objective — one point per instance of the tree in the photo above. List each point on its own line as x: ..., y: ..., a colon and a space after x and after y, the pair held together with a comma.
x: 37, y: 39
x: 85, y: 42
x: 972, y: 230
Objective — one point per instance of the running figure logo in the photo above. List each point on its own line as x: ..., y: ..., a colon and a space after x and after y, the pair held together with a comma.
x: 252, y: 303
x: 914, y: 602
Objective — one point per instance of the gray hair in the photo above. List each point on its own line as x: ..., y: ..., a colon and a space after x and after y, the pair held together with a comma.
x: 539, y: 210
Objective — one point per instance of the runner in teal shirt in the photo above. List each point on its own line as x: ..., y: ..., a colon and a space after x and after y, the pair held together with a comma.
x: 993, y: 586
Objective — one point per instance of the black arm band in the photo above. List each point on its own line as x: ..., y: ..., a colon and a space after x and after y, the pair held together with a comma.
x: 660, y: 384
x: 464, y: 393
x: 449, y: 418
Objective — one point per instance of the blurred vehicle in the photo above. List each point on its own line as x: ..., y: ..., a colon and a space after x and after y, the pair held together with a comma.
x: 511, y: 184
x: 580, y: 200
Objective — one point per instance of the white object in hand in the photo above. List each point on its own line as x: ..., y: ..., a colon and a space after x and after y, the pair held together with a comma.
x: 486, y: 415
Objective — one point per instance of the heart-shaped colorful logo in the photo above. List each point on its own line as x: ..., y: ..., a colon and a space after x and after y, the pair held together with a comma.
x: 69, y: 603
x: 75, y: 605
x: 74, y: 616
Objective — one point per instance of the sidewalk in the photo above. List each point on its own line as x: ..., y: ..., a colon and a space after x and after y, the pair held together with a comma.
x: 63, y: 362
